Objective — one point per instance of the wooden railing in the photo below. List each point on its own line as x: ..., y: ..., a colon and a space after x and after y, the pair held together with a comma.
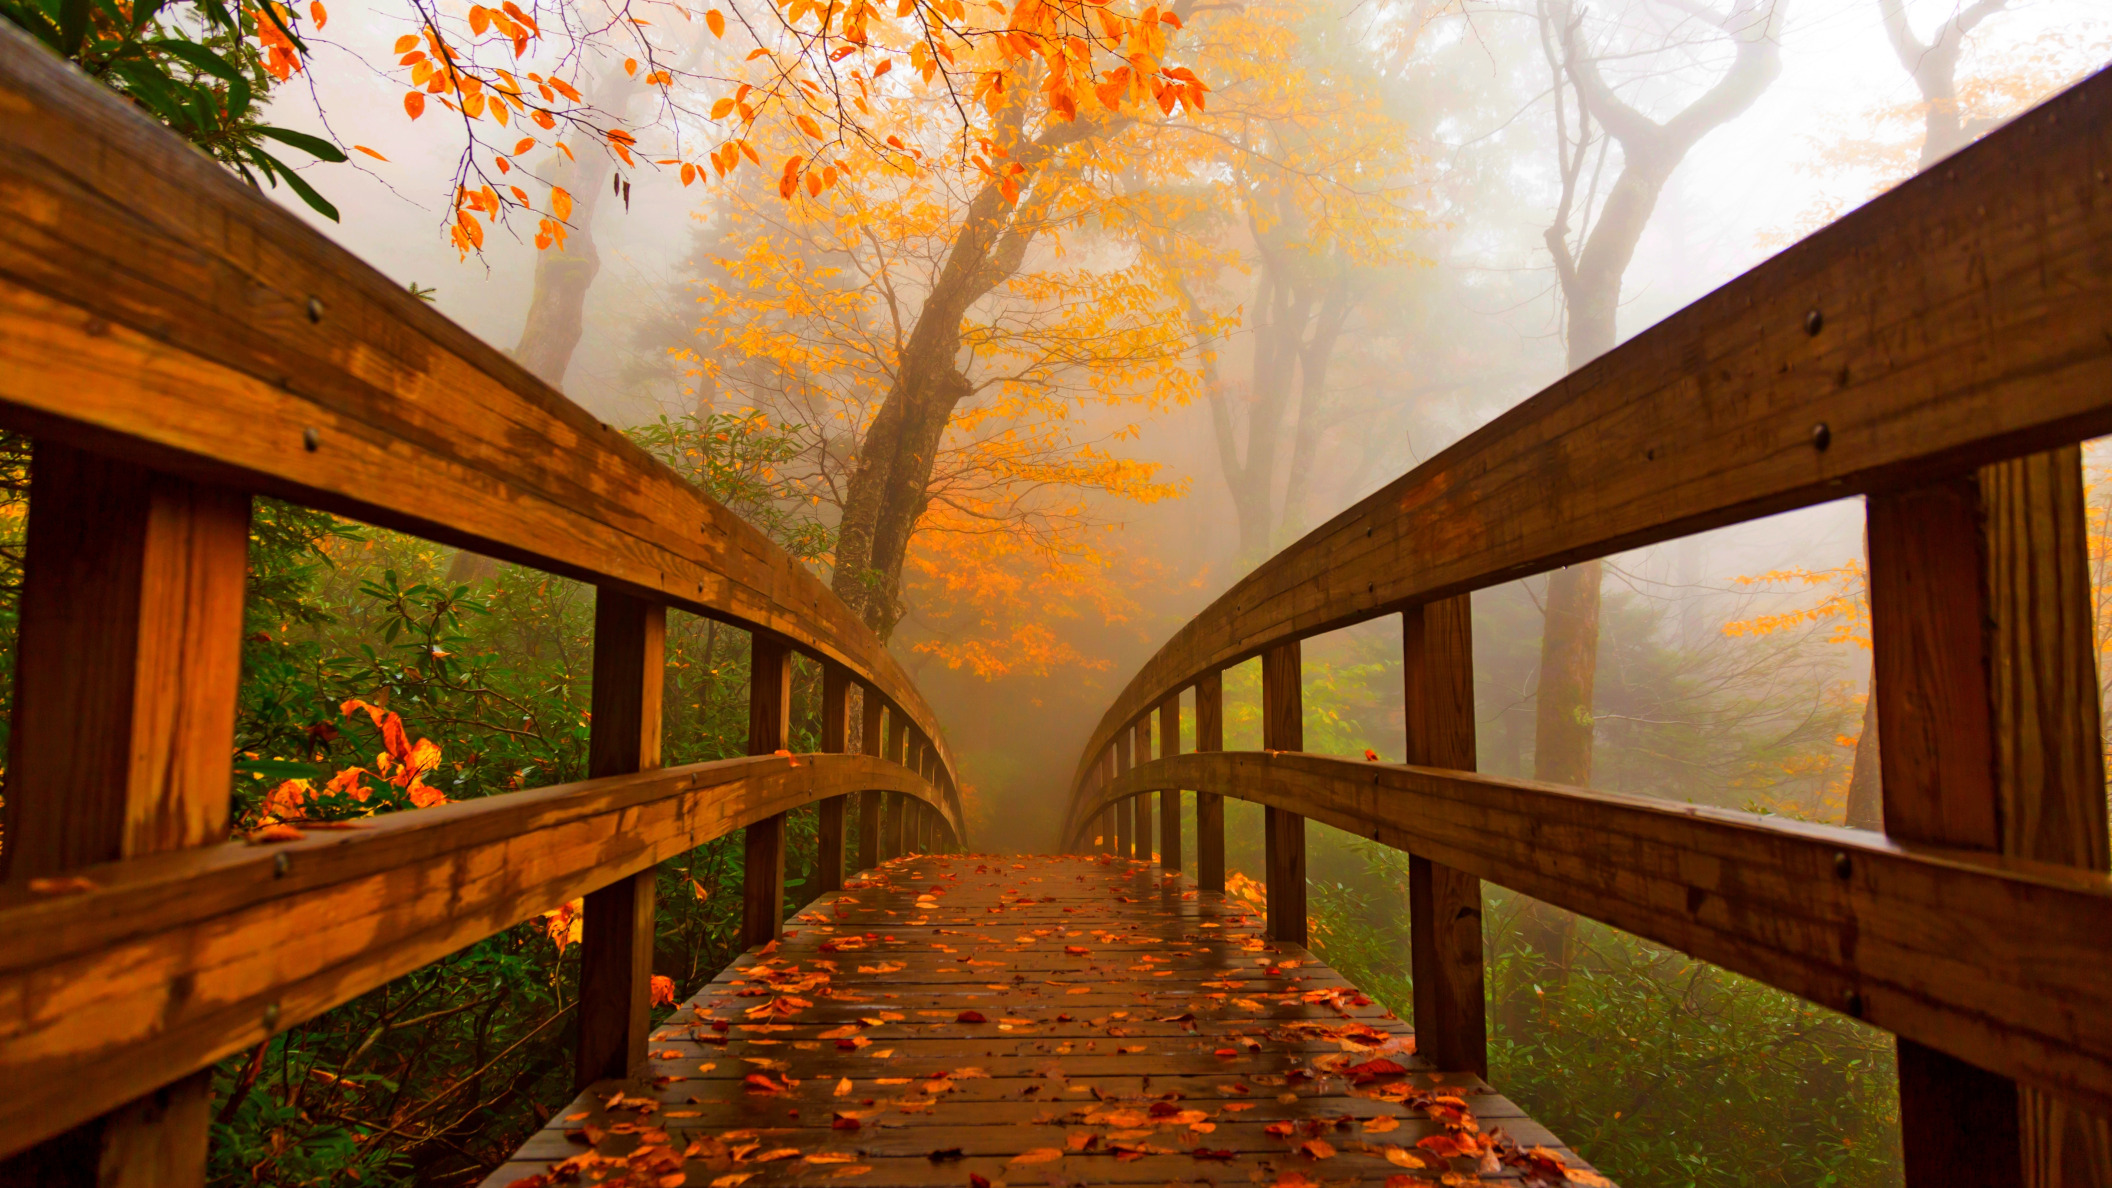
x: 1940, y: 351
x: 174, y: 343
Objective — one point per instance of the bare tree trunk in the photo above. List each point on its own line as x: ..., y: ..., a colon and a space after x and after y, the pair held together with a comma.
x: 1314, y: 357
x: 1591, y: 290
x: 1866, y: 807
x: 1934, y: 67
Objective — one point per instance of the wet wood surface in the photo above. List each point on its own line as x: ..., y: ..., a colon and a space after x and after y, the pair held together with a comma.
x: 960, y: 1020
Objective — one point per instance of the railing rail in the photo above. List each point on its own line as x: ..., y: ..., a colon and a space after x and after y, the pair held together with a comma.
x: 1940, y: 351
x: 174, y: 343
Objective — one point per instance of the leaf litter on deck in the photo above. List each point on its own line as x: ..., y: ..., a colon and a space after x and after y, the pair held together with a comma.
x: 990, y: 1022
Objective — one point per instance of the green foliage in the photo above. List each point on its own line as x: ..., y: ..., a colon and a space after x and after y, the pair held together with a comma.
x: 198, y: 66
x: 734, y: 458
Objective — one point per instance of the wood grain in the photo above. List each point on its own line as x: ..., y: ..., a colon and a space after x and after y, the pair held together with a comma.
x: 1994, y: 960
x: 616, y: 937
x: 154, y: 307
x: 1170, y: 802
x: 835, y: 735
x: 124, y: 695
x: 125, y: 686
x: 1959, y: 328
x: 1444, y: 905
x: 769, y: 731
x: 1283, y: 831
x: 169, y: 963
x: 2049, y: 761
x: 1209, y: 805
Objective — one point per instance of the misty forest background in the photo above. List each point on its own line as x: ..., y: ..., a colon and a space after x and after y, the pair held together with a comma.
x: 1393, y: 221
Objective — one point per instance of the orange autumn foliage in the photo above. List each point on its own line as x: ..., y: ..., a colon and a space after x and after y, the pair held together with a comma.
x: 401, y: 763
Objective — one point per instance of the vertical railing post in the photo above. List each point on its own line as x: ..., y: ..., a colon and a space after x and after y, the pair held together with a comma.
x: 1929, y: 672
x: 1125, y: 808
x: 891, y: 816
x: 1147, y: 803
x: 1170, y: 800
x: 835, y: 740
x: 1210, y: 806
x: 1283, y: 729
x: 769, y: 727
x: 616, y: 936
x: 1985, y: 679
x: 127, y: 669
x: 870, y: 708
x: 1444, y: 905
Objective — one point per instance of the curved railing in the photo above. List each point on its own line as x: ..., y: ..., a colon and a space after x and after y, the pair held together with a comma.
x: 1940, y: 351
x: 174, y: 343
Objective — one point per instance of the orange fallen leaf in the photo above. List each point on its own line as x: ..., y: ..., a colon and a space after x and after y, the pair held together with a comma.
x: 1038, y: 1155
x: 1317, y: 1149
x: 62, y: 885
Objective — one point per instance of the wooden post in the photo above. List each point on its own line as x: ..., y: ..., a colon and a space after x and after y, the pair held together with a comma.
x: 869, y: 802
x: 891, y: 827
x: 1984, y: 675
x: 1210, y: 806
x: 126, y: 672
x: 769, y: 727
x: 1147, y: 802
x: 835, y: 740
x: 1444, y: 906
x: 1125, y: 808
x: 1169, y: 800
x: 1283, y: 729
x: 616, y: 936
x: 2049, y: 764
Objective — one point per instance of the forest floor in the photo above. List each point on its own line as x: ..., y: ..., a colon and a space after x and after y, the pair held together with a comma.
x: 978, y: 1021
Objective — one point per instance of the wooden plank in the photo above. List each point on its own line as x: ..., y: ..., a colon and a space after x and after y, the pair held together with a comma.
x: 1444, y: 905
x: 869, y: 742
x: 769, y: 731
x: 132, y: 590
x: 891, y: 828
x: 616, y: 937
x: 1059, y: 1043
x: 1283, y: 832
x: 1976, y: 346
x: 1991, y: 959
x: 171, y: 962
x: 126, y: 675
x: 1210, y: 806
x: 2049, y: 761
x: 835, y: 734
x: 1125, y: 809
x: 1929, y: 638
x: 1147, y: 812
x: 167, y: 316
x: 1170, y: 802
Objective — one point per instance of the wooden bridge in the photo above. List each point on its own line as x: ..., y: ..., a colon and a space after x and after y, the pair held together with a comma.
x: 176, y: 344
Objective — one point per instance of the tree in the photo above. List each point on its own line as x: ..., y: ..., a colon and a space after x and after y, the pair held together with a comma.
x: 1317, y: 206
x: 823, y: 311
x: 1591, y: 117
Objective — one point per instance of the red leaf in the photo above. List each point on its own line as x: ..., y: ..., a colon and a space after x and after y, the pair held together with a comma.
x: 971, y: 1017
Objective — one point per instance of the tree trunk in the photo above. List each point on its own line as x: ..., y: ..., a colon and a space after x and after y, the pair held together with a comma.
x: 890, y: 487
x: 1866, y: 807
x: 1314, y: 356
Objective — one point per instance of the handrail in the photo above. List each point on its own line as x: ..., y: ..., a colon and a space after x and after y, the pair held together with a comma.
x: 1820, y: 374
x: 1996, y: 960
x: 1939, y: 351
x: 154, y: 306
x: 165, y: 327
x: 179, y: 959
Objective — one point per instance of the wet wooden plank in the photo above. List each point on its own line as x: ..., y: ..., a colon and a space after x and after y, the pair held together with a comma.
x: 943, y: 1017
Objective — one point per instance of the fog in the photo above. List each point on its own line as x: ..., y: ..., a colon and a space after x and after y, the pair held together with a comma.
x: 1466, y: 317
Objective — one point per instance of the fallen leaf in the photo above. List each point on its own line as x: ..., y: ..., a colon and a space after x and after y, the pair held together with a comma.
x: 1317, y: 1149
x: 1401, y: 1155
x: 970, y: 1017
x: 1038, y: 1155
x: 1381, y: 1124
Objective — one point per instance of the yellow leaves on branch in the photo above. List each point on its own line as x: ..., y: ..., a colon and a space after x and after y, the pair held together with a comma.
x: 1844, y: 602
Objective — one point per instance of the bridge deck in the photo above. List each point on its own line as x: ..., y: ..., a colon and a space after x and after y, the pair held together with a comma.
x: 954, y: 1020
